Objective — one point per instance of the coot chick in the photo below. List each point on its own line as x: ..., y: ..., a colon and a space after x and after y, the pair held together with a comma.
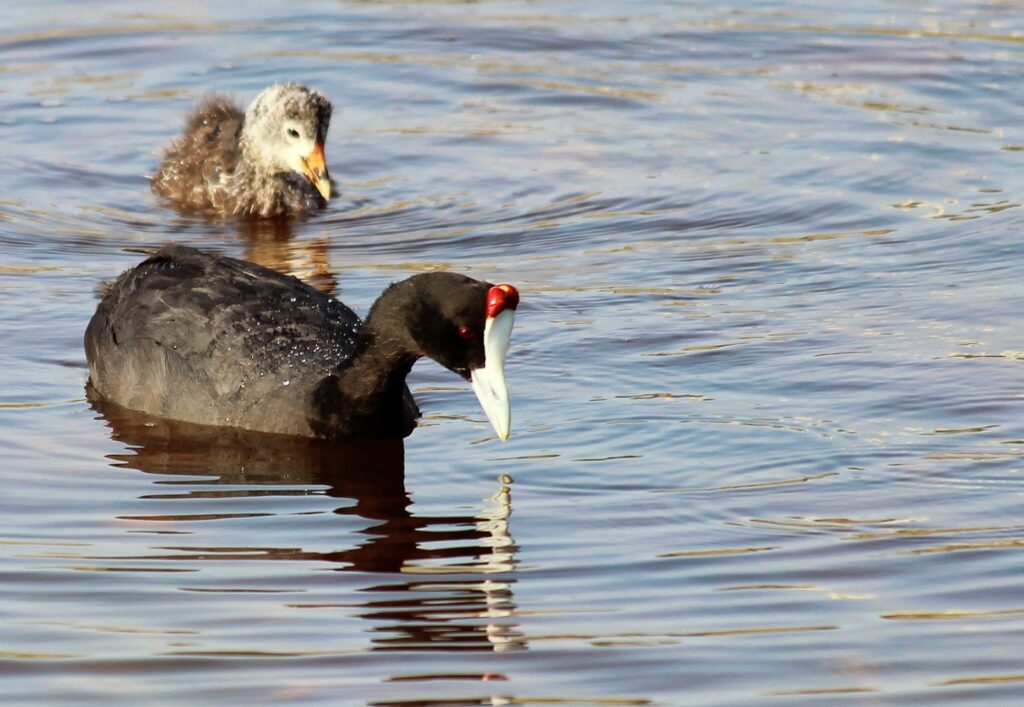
x: 268, y: 161
x: 202, y: 338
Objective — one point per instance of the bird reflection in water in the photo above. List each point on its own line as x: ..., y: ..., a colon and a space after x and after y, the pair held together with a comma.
x: 269, y: 242
x: 455, y: 592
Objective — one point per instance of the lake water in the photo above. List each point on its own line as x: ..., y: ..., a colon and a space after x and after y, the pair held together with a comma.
x: 767, y: 376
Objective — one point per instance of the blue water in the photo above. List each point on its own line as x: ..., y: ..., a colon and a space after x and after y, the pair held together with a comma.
x: 767, y: 375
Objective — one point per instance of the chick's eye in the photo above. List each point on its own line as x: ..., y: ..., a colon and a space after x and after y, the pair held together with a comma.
x: 467, y: 332
x: 293, y: 133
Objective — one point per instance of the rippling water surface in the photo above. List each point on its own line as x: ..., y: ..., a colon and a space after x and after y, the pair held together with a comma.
x: 767, y: 377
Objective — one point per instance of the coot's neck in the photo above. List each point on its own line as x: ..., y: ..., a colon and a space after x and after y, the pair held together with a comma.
x: 250, y: 190
x: 365, y: 396
x: 379, y: 367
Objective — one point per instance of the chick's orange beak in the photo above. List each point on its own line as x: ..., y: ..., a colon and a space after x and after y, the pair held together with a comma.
x: 315, y: 168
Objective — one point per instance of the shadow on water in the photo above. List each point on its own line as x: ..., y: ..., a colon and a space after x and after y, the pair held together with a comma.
x: 455, y: 591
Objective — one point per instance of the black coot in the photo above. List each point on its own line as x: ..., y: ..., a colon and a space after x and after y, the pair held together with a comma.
x: 202, y: 338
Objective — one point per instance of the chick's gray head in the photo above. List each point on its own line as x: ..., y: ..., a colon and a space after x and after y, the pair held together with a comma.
x: 285, y: 129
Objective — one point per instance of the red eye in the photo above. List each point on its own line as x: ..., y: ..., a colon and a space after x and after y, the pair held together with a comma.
x: 467, y: 332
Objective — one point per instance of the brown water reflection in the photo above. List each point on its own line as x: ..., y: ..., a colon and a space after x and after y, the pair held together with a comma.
x: 455, y: 592
x: 270, y: 243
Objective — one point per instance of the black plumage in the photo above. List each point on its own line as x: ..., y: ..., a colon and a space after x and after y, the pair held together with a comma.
x: 207, y: 339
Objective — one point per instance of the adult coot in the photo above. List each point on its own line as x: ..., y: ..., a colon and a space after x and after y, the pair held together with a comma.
x: 198, y: 337
x: 268, y: 161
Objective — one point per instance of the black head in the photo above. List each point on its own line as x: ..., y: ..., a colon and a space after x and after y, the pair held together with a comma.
x: 446, y: 319
x: 462, y: 323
